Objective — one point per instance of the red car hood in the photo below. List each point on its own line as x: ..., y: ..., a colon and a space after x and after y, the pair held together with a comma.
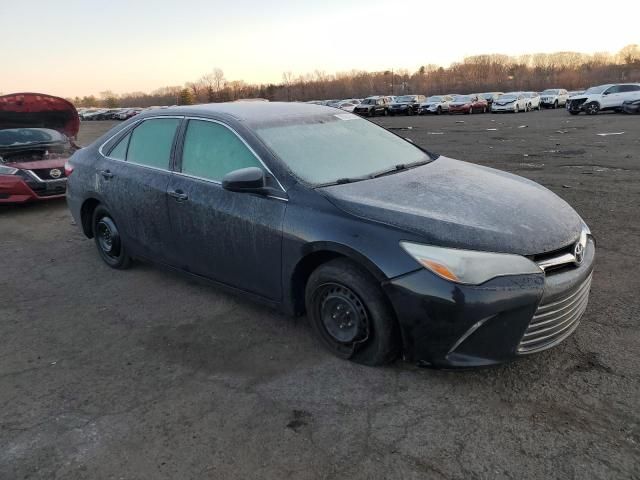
x: 38, y: 110
x: 51, y: 163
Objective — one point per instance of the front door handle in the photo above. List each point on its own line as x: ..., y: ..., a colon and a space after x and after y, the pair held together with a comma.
x: 106, y: 173
x: 179, y: 195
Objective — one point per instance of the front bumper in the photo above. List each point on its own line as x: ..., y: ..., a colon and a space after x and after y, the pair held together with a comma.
x: 449, y: 325
x: 18, y: 189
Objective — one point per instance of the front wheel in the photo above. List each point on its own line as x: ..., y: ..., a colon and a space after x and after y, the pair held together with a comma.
x: 439, y: 111
x: 592, y: 108
x: 516, y: 109
x: 350, y: 315
x: 555, y: 104
x: 108, y: 240
x: 372, y: 112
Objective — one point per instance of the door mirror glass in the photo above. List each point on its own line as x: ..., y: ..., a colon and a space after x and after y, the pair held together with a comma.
x: 251, y: 179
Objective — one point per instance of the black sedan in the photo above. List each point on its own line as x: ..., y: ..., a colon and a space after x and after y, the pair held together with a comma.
x: 406, y: 105
x: 389, y: 249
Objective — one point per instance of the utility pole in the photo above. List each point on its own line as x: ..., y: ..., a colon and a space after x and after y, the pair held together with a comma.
x: 392, y: 82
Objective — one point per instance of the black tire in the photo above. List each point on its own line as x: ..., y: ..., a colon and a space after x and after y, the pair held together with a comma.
x: 592, y: 108
x: 555, y: 104
x: 372, y: 112
x: 365, y: 330
x: 439, y: 111
x: 108, y: 240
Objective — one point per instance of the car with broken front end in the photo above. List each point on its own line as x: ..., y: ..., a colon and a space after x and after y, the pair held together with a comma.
x: 37, y: 134
x: 389, y: 249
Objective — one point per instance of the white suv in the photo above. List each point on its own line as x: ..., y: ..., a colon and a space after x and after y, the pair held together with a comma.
x: 603, y: 97
x: 554, y: 97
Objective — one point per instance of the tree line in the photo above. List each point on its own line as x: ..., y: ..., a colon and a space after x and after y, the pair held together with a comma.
x: 479, y: 73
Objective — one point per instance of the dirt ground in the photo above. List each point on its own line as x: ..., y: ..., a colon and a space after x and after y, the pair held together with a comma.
x: 144, y: 374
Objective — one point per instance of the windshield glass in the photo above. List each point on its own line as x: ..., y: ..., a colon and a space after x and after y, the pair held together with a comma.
x: 369, y: 101
x: 550, y: 91
x: 434, y: 99
x: 463, y: 98
x: 508, y: 97
x: 26, y: 136
x: 405, y: 98
x: 599, y: 89
x: 322, y: 150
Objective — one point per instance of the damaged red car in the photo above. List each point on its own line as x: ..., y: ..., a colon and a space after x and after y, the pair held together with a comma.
x: 37, y: 133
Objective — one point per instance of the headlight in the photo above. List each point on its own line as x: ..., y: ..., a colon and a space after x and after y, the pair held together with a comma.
x: 469, y: 266
x: 7, y: 170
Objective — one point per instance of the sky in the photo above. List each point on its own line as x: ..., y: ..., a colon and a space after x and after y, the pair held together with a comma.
x: 83, y: 47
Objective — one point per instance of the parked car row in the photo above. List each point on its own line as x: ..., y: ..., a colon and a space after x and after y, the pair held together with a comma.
x: 618, y: 97
x: 107, y: 113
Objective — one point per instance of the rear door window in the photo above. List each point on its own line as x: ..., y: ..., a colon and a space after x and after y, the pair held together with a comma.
x: 150, y: 143
x: 212, y: 150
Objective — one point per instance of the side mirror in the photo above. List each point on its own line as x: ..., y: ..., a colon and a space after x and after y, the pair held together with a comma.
x: 606, y: 93
x: 250, y: 180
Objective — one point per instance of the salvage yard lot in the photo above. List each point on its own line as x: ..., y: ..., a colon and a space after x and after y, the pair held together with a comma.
x: 147, y: 374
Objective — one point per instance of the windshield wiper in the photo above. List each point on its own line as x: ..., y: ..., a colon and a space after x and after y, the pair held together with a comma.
x: 399, y: 168
x: 342, y: 181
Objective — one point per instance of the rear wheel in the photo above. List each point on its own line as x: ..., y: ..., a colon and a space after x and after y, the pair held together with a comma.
x: 350, y: 315
x: 108, y: 240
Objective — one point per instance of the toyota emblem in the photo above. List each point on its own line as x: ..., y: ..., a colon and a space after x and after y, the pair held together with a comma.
x: 55, y: 173
x: 578, y: 253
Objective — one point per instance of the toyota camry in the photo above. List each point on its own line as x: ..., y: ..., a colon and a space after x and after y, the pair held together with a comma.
x: 390, y: 250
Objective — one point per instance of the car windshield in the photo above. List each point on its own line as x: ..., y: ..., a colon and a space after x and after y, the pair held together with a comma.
x: 434, y: 99
x: 405, y: 98
x: 19, y: 137
x: 334, y: 148
x: 598, y: 89
x: 508, y: 97
x: 550, y: 91
x: 369, y: 101
x: 463, y: 98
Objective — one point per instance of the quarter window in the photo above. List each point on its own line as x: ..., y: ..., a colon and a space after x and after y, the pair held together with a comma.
x: 211, y: 151
x: 119, y: 152
x: 151, y: 142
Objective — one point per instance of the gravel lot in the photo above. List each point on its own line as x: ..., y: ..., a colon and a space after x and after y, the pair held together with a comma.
x: 145, y: 374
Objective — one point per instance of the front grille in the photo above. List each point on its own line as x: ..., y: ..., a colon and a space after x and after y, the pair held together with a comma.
x: 556, y: 320
x: 45, y: 173
x: 575, y: 104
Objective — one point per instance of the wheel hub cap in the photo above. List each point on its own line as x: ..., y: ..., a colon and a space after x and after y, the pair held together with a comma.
x: 343, y: 315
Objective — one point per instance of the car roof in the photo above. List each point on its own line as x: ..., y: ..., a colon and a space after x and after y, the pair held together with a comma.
x: 253, y: 113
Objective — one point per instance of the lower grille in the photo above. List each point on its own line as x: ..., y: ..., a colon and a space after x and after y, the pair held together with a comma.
x: 556, y: 320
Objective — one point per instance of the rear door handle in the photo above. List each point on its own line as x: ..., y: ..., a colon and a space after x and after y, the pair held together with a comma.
x: 106, y: 173
x: 179, y: 195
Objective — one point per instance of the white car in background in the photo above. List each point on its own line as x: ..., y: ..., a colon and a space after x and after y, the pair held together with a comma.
x: 603, y: 97
x: 347, y: 105
x: 554, y: 97
x: 435, y: 104
x: 510, y: 102
x: 533, y: 100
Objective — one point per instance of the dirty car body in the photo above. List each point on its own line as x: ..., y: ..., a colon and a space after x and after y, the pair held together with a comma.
x: 36, y: 139
x: 383, y: 244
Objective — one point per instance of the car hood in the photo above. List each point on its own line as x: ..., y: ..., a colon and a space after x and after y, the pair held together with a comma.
x: 461, y: 205
x: 401, y: 104
x: 459, y: 104
x: 38, y: 110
